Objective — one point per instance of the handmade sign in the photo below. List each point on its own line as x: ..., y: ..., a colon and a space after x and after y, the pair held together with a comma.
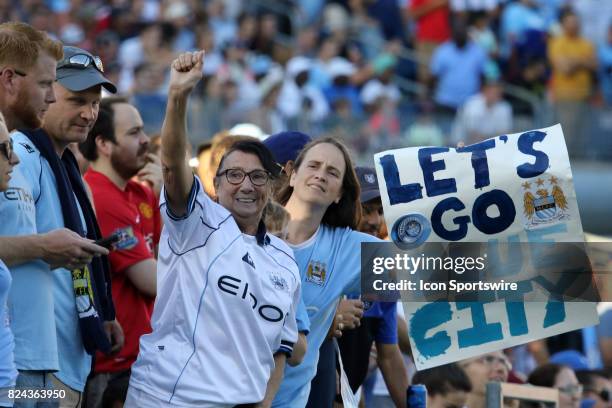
x: 512, y: 188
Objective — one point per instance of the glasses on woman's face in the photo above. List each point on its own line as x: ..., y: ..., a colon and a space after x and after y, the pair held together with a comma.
x: 81, y: 61
x: 237, y: 176
x: 7, y: 149
x: 572, y: 389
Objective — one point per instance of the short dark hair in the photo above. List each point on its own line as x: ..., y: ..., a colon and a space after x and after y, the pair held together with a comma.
x: 104, y: 127
x: 443, y: 379
x: 545, y: 375
x: 256, y: 148
x: 345, y: 213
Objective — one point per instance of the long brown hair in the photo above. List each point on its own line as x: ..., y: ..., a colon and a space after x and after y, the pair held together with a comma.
x: 345, y: 213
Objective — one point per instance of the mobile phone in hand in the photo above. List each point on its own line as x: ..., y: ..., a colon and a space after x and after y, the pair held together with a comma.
x: 107, y: 242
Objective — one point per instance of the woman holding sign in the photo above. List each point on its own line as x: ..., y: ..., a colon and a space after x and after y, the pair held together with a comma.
x: 322, y: 198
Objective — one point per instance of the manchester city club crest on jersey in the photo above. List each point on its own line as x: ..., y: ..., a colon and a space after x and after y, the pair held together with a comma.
x: 316, y: 273
x: 544, y: 202
x: 410, y: 231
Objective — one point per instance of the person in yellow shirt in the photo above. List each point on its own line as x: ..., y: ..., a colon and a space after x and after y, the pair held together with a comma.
x: 574, y: 62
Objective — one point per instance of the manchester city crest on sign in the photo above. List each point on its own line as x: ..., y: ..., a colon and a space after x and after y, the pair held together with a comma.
x: 544, y: 202
x: 410, y: 231
x: 316, y: 273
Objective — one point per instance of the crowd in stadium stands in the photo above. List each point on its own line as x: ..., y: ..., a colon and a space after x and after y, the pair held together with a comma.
x: 365, y: 74
x: 334, y: 61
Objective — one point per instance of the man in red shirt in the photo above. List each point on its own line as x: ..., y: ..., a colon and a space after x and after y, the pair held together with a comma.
x: 117, y: 148
x: 432, y: 18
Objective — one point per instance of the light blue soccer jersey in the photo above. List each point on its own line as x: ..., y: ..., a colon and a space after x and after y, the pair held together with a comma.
x: 330, y: 266
x: 30, y: 299
x: 74, y: 362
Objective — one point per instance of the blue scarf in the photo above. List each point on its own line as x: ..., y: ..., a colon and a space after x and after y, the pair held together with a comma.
x: 92, y: 285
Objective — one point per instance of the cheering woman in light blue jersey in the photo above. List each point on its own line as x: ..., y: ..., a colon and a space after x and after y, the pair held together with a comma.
x: 322, y: 198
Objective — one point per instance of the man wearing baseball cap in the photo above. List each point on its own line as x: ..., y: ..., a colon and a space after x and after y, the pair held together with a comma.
x: 82, y: 302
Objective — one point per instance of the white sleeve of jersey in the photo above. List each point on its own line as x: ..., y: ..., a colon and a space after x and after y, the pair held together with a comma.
x: 202, y: 218
x: 289, y: 335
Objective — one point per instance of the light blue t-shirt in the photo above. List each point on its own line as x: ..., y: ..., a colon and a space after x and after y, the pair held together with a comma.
x: 8, y: 372
x: 30, y: 299
x: 458, y: 71
x: 74, y: 362
x: 330, y: 265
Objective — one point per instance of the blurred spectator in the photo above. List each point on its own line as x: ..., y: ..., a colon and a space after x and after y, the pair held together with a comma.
x: 596, y: 387
x: 179, y: 14
x: 605, y: 67
x: 106, y: 46
x: 341, y: 88
x: 447, y: 386
x: 224, y: 28
x: 432, y: 20
x: 492, y: 366
x: 570, y: 358
x: 424, y: 131
x: 320, y: 76
x: 474, y: 6
x: 573, y: 62
x: 481, y: 34
x: 457, y: 67
x: 267, y: 115
x: 562, y: 378
x: 147, y: 96
x: 264, y: 42
x: 484, y: 115
x: 595, y: 18
x: 236, y: 69
x: 205, y: 40
x: 247, y: 29
x: 276, y: 219
x: 153, y: 44
x: 517, y: 18
x: 298, y: 101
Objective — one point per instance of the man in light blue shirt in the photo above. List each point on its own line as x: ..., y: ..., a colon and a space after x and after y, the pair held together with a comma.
x: 67, y: 121
x: 457, y: 66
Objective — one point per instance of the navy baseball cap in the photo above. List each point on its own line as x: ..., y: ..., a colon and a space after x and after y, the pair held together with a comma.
x: 286, y: 146
x: 368, y: 183
x: 80, y: 70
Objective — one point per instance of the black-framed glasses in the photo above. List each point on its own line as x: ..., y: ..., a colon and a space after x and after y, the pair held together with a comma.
x: 7, y: 149
x: 81, y: 61
x: 236, y: 176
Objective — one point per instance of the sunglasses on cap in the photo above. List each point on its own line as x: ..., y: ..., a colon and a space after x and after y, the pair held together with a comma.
x: 81, y: 61
x: 7, y: 149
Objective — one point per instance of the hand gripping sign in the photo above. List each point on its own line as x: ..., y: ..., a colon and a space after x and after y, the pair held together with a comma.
x: 511, y: 188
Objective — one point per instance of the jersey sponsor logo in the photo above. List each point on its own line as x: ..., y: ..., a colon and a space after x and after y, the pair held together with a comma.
x: 18, y: 194
x: 233, y: 286
x: 316, y: 273
x: 146, y: 210
x: 247, y: 258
